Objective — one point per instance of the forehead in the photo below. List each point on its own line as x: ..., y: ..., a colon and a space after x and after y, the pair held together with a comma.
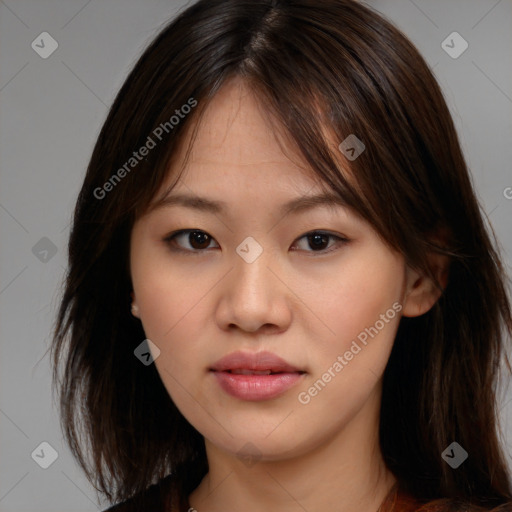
x: 234, y: 162
x: 237, y: 146
x: 235, y: 128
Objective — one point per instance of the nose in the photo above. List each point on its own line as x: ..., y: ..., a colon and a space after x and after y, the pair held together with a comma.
x: 254, y: 298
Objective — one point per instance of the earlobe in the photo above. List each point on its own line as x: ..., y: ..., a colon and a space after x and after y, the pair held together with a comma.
x: 421, y: 291
x: 134, y: 307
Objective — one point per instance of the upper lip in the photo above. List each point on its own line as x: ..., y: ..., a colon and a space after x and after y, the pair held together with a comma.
x: 254, y: 361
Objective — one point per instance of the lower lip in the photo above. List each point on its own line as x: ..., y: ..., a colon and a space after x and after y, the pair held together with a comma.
x: 256, y: 387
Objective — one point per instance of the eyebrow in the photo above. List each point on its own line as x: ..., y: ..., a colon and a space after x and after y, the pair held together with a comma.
x: 295, y: 206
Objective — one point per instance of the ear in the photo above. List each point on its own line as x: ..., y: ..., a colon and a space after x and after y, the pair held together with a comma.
x: 421, y: 291
x: 135, y: 307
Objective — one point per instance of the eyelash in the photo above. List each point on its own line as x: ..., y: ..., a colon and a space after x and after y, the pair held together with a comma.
x: 171, y: 241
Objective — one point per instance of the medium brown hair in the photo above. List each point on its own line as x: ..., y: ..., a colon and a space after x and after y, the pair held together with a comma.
x: 319, y: 67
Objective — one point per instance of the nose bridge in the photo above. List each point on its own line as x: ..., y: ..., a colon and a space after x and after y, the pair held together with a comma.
x: 251, y: 262
x: 251, y: 296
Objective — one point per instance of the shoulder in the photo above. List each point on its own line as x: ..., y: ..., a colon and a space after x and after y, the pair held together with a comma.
x: 156, y: 498
x: 402, y: 501
x: 450, y: 505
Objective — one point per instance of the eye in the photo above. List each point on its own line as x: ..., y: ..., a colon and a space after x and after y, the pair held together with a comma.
x: 198, y: 240
x: 319, y: 240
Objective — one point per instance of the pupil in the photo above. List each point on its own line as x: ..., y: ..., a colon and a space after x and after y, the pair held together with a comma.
x: 317, y: 240
x: 197, y: 238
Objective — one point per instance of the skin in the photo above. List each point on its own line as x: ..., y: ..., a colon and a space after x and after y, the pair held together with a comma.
x: 305, y: 305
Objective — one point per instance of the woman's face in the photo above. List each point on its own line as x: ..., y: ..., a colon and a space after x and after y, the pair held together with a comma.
x: 253, y: 281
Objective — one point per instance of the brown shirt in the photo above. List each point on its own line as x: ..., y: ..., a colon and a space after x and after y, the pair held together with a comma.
x: 157, y: 498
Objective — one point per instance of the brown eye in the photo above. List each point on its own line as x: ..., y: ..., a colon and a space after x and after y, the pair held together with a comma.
x: 199, y: 239
x: 189, y: 240
x: 318, y: 241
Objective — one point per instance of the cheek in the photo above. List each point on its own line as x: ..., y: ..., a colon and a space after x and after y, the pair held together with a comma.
x: 361, y: 306
x: 172, y: 315
x: 352, y: 298
x: 368, y: 294
x: 166, y: 293
x: 174, y: 311
x: 170, y: 310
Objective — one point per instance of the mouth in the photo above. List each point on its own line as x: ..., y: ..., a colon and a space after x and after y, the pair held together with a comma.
x: 254, y: 362
x: 255, y: 377
x: 245, y: 371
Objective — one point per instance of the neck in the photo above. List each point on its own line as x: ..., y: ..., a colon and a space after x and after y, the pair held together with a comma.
x: 345, y: 472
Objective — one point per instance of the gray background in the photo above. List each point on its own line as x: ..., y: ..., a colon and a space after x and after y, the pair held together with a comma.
x: 52, y: 110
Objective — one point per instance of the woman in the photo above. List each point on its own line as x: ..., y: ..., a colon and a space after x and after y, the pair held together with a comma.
x: 281, y: 293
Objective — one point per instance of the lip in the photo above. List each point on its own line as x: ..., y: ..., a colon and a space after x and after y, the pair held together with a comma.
x: 256, y: 361
x: 255, y: 387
